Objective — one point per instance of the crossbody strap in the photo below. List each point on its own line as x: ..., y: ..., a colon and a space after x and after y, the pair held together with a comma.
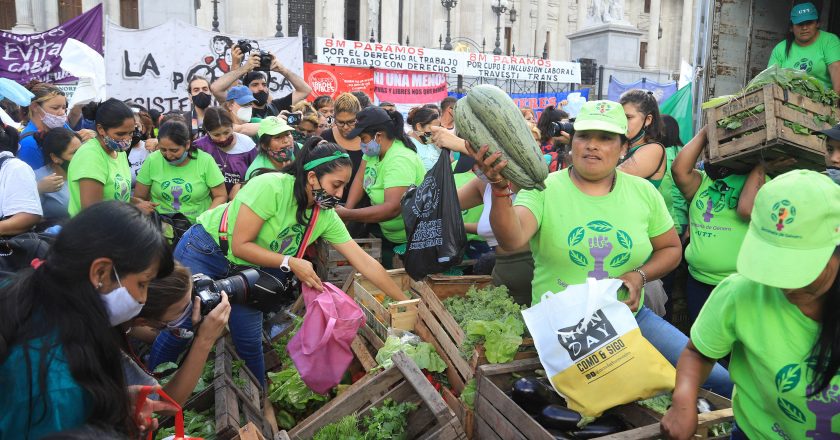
x: 223, y: 231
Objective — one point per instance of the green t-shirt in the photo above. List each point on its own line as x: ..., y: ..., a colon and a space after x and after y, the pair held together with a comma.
x: 716, y: 229
x: 674, y: 199
x: 813, y: 58
x: 184, y: 189
x: 261, y: 161
x: 580, y: 236
x: 473, y: 214
x: 399, y: 167
x: 92, y: 162
x: 771, y: 365
x: 271, y: 197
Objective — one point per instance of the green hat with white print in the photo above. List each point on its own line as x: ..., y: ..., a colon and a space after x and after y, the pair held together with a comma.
x: 602, y: 115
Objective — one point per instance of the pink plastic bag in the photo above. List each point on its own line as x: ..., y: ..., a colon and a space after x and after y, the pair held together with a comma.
x: 321, y: 348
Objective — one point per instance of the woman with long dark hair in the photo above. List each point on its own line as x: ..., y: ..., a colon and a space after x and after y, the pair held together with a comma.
x: 421, y: 120
x: 59, y: 146
x: 646, y: 156
x: 233, y: 152
x: 778, y: 318
x: 264, y: 226
x: 59, y: 356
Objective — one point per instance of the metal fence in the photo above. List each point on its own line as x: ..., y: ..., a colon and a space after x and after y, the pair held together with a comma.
x: 462, y: 84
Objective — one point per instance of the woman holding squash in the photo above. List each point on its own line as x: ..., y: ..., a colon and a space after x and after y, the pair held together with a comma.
x: 619, y: 228
x: 264, y: 227
x: 389, y: 166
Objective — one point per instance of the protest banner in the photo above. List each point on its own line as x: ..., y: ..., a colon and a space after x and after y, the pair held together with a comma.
x: 151, y: 66
x: 405, y: 87
x: 333, y: 80
x: 538, y: 101
x: 28, y: 57
x: 396, y: 57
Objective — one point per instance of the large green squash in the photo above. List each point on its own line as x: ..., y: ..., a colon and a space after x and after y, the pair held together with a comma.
x: 487, y: 116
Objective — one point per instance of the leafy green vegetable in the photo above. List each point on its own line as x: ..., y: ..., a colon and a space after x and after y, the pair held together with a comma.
x: 659, y: 403
x: 423, y: 354
x: 468, y: 394
x: 195, y: 424
x: 497, y: 315
x: 236, y: 368
x: 346, y: 429
x: 389, y: 421
x: 166, y: 366
x: 285, y: 420
x: 288, y: 392
x: 279, y: 347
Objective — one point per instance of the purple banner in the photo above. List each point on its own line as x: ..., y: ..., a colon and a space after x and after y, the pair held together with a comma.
x: 25, y: 57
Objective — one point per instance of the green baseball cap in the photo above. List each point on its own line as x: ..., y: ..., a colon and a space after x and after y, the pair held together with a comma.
x: 273, y: 126
x: 803, y: 12
x: 602, y: 115
x: 794, y: 229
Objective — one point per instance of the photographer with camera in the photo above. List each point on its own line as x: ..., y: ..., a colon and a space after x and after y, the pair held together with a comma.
x: 268, y: 226
x: 251, y: 73
x: 170, y: 303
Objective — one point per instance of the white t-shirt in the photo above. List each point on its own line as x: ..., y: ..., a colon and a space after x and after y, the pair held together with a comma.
x: 18, y: 188
x: 136, y: 157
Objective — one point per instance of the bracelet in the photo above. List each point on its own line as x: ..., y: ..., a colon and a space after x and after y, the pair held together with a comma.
x: 497, y: 193
x: 642, y: 273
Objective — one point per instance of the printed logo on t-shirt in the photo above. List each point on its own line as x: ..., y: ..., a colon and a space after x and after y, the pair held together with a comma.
x: 710, y: 206
x: 804, y: 64
x: 370, y: 177
x: 122, y: 188
x: 823, y: 406
x: 599, y: 237
x: 288, y: 240
x: 176, y: 191
x: 783, y: 213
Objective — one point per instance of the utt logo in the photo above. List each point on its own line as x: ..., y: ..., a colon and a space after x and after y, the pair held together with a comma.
x: 603, y: 107
x: 783, y: 213
x: 323, y: 82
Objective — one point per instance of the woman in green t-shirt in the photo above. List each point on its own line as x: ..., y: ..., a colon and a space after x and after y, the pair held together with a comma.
x: 99, y: 169
x: 264, y: 226
x: 808, y: 48
x: 277, y: 147
x: 389, y: 166
x: 618, y: 227
x: 178, y: 177
x: 778, y: 319
x: 646, y: 156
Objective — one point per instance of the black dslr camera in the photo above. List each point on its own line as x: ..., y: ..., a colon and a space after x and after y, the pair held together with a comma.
x: 265, y: 56
x: 557, y: 127
x: 237, y: 288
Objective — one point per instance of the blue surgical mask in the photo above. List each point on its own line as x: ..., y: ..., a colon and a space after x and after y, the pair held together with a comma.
x: 179, y: 160
x: 834, y: 174
x: 371, y: 148
x: 116, y: 145
x: 120, y: 305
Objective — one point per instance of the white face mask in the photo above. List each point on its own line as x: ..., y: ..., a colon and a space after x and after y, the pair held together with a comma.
x: 244, y: 114
x: 120, y: 305
x: 53, y: 121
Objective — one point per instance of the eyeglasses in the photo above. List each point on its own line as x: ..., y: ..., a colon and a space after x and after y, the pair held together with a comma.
x: 345, y: 123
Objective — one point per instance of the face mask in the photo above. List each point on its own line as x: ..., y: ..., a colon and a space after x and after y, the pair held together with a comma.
x: 324, y: 200
x: 53, y: 121
x: 136, y: 137
x: 120, y: 305
x: 284, y: 155
x: 225, y: 143
x: 834, y: 174
x: 244, y: 114
x: 201, y: 100
x: 116, y: 145
x: 639, y: 135
x: 426, y: 137
x: 179, y: 160
x: 261, y: 97
x: 371, y: 148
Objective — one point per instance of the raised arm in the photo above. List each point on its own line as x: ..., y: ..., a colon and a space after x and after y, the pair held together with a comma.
x: 685, y: 175
x: 220, y: 86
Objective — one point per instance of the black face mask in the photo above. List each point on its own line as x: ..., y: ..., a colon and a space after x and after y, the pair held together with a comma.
x: 138, y: 136
x: 261, y: 97
x: 201, y: 100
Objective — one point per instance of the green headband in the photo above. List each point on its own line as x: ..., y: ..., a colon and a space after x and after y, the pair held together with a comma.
x: 308, y: 166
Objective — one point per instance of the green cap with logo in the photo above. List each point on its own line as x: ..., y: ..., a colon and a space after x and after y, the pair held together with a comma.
x: 602, y: 115
x: 273, y: 126
x: 794, y: 229
x: 803, y: 12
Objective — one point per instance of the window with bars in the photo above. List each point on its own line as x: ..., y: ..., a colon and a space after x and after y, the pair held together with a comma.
x: 8, y: 17
x: 129, y: 16
x: 647, y: 6
x: 642, y: 53
x: 68, y: 9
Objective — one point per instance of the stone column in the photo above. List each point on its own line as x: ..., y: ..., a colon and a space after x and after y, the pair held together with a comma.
x: 583, y: 6
x: 524, y: 37
x: 24, y: 23
x: 560, y: 45
x: 389, y: 19
x: 652, y: 56
x: 542, y: 15
x: 687, y: 31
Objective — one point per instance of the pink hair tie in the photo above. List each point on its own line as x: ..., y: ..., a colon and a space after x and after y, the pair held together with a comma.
x: 36, y: 263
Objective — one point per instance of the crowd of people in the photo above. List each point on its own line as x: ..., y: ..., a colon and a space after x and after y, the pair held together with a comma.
x: 252, y: 182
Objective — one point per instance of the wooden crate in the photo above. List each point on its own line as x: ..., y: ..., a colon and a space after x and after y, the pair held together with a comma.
x: 334, y: 268
x: 399, y: 314
x: 497, y: 416
x: 773, y: 139
x: 436, y: 326
x: 402, y: 382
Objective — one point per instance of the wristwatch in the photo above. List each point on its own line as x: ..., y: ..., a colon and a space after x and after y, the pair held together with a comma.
x: 284, y: 267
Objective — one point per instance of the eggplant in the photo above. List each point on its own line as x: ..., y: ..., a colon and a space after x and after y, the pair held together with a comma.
x: 526, y: 394
x: 605, y: 425
x: 548, y: 392
x: 560, y: 435
x: 558, y: 417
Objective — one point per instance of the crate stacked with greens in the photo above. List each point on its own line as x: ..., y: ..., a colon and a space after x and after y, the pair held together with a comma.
x: 386, y: 422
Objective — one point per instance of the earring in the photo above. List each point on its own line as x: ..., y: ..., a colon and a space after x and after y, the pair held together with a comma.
x: 99, y: 286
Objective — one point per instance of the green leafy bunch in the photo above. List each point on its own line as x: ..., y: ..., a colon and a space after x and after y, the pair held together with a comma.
x: 386, y: 422
x: 291, y: 396
x: 423, y: 354
x: 196, y: 424
x: 488, y: 316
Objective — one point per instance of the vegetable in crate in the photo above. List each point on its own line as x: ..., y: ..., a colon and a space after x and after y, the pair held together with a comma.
x: 488, y: 116
x: 468, y: 394
x: 558, y: 417
x: 195, y: 424
x: 605, y: 425
x: 288, y: 393
x: 345, y: 429
x: 388, y: 421
x: 423, y: 354
x: 490, y: 305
